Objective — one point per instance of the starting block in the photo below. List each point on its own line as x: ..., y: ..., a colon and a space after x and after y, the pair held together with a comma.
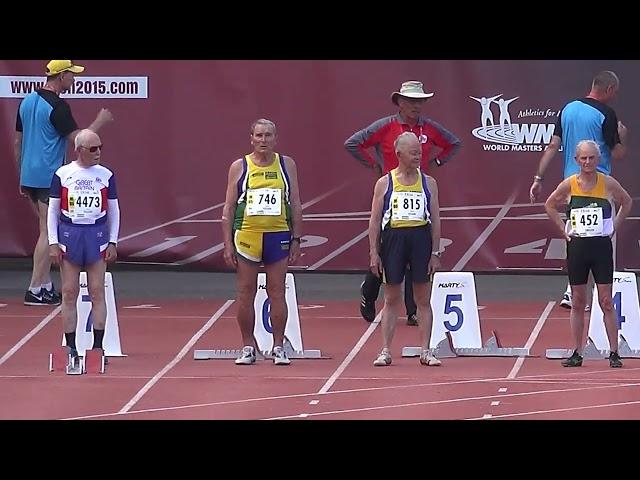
x: 232, y: 354
x: 492, y: 348
x: 84, y: 326
x: 61, y: 361
x: 92, y: 362
x: 263, y: 332
x: 455, y: 330
x: 627, y: 308
x: 75, y: 367
x: 591, y: 352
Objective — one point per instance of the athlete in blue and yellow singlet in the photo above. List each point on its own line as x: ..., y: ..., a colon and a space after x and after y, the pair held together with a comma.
x: 262, y: 220
x: 404, y: 205
x: 261, y: 223
x: 404, y: 224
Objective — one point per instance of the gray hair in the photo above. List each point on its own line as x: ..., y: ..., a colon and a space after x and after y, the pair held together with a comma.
x: 263, y: 121
x: 584, y: 143
x: 605, y: 79
x: 402, y: 138
x: 83, y: 137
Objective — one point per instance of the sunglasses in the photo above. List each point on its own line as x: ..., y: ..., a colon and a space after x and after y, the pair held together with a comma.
x: 93, y: 149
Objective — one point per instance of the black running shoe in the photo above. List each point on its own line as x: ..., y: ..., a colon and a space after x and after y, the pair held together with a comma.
x: 35, y: 299
x: 412, y: 320
x: 575, y: 360
x: 614, y: 360
x: 53, y: 297
x: 367, y: 307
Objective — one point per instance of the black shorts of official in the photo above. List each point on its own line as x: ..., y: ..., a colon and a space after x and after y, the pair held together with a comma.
x: 590, y: 253
x: 37, y: 194
x: 402, y: 247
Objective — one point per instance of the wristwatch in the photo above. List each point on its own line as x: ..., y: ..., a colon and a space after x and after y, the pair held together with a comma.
x: 437, y: 253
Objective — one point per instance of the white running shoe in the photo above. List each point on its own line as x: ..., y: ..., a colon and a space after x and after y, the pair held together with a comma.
x: 566, y: 300
x: 280, y: 356
x: 247, y: 357
x: 383, y: 360
x: 428, y: 359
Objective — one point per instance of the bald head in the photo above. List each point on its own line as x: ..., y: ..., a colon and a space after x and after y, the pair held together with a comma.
x: 408, y: 150
x: 587, y: 147
x: 405, y: 141
x: 86, y: 138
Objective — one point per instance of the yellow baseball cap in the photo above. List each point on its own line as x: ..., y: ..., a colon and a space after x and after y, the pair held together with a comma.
x: 54, y: 67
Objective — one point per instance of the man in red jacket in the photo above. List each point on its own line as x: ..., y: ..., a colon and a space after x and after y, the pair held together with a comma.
x: 381, y: 135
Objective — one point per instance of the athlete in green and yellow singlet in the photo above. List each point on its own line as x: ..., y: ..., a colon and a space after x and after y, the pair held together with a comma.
x: 261, y: 224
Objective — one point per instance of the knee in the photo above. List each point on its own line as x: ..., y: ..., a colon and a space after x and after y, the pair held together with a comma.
x: 246, y: 293
x: 392, y: 298
x: 422, y: 303
x: 70, y: 293
x: 275, y: 293
x: 606, y: 303
x: 96, y: 293
x: 578, y: 299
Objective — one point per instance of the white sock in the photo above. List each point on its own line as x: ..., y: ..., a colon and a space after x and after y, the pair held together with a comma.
x: 35, y: 290
x: 47, y: 286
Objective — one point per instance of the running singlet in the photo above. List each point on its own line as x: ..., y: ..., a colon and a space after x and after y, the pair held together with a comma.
x: 406, y: 205
x: 263, y: 197
x: 589, y: 213
x: 83, y: 193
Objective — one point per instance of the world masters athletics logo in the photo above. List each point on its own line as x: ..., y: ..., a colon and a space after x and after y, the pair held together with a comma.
x: 506, y: 135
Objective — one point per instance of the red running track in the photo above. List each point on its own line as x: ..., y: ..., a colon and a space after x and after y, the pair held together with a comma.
x: 160, y: 380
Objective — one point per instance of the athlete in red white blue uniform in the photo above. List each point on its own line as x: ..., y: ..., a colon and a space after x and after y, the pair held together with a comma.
x: 83, y: 223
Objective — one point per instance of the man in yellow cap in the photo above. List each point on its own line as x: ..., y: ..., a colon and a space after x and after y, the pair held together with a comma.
x: 55, y: 67
x: 44, y: 124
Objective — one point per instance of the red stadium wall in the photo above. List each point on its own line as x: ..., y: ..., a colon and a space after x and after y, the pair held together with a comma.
x: 171, y: 151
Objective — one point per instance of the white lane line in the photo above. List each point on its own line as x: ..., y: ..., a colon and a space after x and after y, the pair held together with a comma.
x: 475, y: 246
x: 170, y: 222
x: 354, y: 351
x: 532, y: 338
x: 177, y: 358
x: 30, y: 335
x: 339, y: 250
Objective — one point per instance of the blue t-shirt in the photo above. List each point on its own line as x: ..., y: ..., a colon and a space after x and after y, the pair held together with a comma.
x: 587, y: 119
x: 45, y: 120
